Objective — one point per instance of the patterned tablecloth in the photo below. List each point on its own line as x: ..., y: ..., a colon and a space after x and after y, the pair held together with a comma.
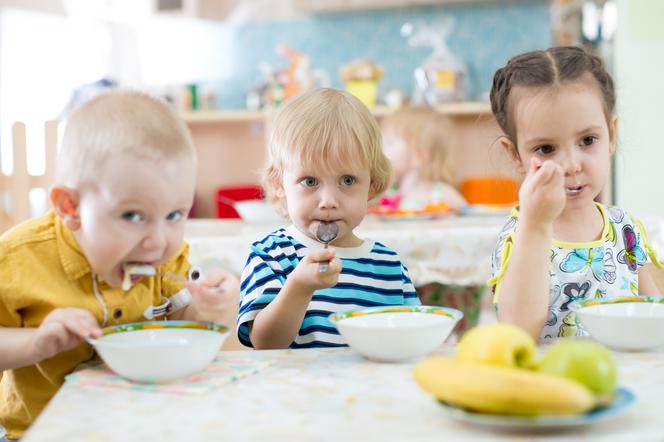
x: 452, y: 250
x: 321, y: 395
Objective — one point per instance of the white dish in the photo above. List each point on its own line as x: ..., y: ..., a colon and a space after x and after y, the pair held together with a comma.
x: 257, y: 212
x: 397, y: 333
x: 159, y: 351
x: 629, y: 323
x: 486, y: 210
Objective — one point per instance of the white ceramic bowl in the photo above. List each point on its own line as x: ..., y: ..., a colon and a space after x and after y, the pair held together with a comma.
x: 396, y: 333
x: 627, y: 323
x: 159, y: 351
x: 257, y: 212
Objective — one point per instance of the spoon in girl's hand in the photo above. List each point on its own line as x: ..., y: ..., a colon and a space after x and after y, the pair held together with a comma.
x: 326, y: 232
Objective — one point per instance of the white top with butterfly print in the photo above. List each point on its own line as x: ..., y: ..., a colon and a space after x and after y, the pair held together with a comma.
x: 603, y: 268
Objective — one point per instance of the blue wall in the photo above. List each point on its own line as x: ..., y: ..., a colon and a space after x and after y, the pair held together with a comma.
x: 484, y: 37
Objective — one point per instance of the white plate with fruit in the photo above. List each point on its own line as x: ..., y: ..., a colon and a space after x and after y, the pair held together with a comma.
x: 622, y: 401
x: 496, y: 379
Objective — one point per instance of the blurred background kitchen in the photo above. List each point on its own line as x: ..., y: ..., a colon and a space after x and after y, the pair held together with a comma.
x: 219, y: 61
x: 226, y: 58
x: 227, y: 64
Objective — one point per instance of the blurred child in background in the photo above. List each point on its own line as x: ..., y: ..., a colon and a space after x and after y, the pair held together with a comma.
x: 417, y: 141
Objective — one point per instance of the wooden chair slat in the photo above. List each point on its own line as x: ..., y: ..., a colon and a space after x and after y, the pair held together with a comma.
x: 15, y: 188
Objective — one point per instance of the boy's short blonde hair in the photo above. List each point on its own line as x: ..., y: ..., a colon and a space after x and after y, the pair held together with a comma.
x: 426, y: 133
x: 120, y: 122
x: 326, y: 127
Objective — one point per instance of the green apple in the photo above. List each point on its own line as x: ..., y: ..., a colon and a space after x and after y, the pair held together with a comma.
x: 585, y: 361
x: 498, y: 344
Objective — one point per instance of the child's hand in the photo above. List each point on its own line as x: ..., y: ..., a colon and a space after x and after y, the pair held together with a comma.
x: 542, y: 195
x: 62, y: 330
x: 307, y: 275
x: 216, y: 298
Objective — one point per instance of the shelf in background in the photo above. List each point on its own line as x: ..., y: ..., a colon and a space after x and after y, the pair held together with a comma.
x: 220, y: 116
x: 455, y: 109
x: 458, y: 109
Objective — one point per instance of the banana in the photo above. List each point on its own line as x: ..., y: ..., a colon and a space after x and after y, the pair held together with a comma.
x: 501, y: 390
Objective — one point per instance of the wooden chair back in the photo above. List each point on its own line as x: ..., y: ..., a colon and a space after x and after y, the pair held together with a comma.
x: 15, y: 188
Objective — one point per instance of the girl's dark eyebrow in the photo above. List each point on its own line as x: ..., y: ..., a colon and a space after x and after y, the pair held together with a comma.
x: 589, y: 129
x: 539, y: 141
x: 544, y: 140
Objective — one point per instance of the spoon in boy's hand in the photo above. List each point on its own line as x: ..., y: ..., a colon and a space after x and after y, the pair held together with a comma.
x: 134, y: 270
x: 131, y: 270
x: 326, y: 232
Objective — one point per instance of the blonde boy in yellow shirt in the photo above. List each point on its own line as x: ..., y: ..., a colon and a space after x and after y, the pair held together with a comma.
x: 124, y: 186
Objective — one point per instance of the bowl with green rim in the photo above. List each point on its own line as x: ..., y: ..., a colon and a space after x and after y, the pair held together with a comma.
x: 631, y: 323
x: 396, y: 333
x: 159, y: 351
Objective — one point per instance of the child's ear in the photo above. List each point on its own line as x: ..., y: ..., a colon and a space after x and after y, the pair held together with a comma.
x: 513, y: 154
x: 64, y: 201
x: 278, y: 187
x: 276, y: 182
x: 613, y: 134
x: 279, y: 191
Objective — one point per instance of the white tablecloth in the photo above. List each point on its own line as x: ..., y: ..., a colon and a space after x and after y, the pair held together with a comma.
x: 322, y: 395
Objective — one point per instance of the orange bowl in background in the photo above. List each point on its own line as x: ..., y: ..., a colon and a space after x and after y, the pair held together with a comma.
x: 490, y: 190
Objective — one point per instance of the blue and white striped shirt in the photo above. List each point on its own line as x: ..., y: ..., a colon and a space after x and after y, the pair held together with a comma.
x: 371, y: 275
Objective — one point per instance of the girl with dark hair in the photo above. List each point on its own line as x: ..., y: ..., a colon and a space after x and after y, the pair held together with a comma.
x: 556, y: 109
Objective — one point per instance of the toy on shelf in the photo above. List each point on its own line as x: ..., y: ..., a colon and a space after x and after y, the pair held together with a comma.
x: 442, y: 76
x: 361, y: 79
x: 282, y: 84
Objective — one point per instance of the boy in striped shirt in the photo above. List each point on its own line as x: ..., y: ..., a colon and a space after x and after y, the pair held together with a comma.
x: 325, y: 163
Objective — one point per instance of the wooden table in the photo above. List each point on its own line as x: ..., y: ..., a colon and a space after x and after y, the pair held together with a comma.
x: 321, y: 395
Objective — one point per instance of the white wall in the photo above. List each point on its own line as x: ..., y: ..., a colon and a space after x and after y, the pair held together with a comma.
x: 639, y: 69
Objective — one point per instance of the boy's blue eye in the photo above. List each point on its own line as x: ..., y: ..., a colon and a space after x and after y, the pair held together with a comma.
x: 175, y: 216
x: 347, y: 180
x: 309, y: 182
x: 132, y: 216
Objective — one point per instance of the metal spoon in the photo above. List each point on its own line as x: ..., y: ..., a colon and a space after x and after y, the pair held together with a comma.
x: 145, y: 270
x: 326, y: 232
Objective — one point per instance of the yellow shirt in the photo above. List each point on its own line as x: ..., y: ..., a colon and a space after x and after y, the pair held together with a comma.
x: 41, y: 269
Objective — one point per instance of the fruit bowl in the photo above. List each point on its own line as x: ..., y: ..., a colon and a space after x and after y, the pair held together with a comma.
x: 627, y: 323
x: 396, y: 333
x: 159, y: 351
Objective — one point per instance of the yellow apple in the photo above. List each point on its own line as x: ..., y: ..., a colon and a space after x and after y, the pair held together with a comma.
x: 498, y: 344
x: 585, y: 361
